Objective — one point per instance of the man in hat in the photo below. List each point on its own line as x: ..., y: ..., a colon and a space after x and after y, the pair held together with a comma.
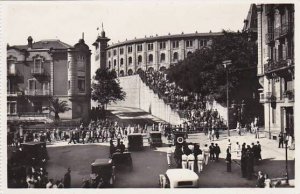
x: 67, y: 179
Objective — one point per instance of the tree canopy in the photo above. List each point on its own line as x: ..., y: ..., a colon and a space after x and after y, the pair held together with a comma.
x: 57, y: 107
x: 106, y: 87
x: 202, y: 72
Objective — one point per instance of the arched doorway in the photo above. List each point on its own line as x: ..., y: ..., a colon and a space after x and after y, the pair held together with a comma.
x: 121, y: 73
x: 139, y: 71
x: 189, y: 54
x: 130, y: 72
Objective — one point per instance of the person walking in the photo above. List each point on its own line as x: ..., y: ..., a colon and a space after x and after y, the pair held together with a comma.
x: 169, y: 155
x: 206, y: 153
x: 228, y: 160
x: 280, y: 137
x: 184, y: 160
x: 244, y: 162
x: 67, y: 179
x: 191, y: 161
x: 260, y: 183
x: 212, y: 152
x: 238, y: 150
x: 200, y: 158
x: 217, y: 152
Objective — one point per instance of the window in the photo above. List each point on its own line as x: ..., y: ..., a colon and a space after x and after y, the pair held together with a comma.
x: 129, y: 49
x: 203, y: 43
x: 69, y: 85
x: 121, y: 51
x: 175, y: 44
x: 31, y: 84
x: 115, y: 52
x: 140, y: 59
x: 37, y: 66
x: 108, y: 54
x: 130, y: 60
x: 162, y: 45
x: 189, y: 43
x: 175, y: 57
x: 81, y: 84
x: 11, y: 107
x: 121, y: 61
x: 162, y: 57
x: 11, y: 67
x: 109, y: 64
x: 139, y: 47
x: 81, y: 63
x: 150, y: 46
x: 115, y: 63
x: 150, y: 58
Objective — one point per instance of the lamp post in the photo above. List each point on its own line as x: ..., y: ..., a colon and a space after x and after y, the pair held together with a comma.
x: 286, y: 158
x: 226, y: 64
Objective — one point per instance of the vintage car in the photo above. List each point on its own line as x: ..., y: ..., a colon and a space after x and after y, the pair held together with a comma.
x: 135, y: 142
x: 178, y: 137
x: 122, y: 160
x: 155, y: 139
x: 104, y: 170
x: 35, y: 153
x: 179, y: 178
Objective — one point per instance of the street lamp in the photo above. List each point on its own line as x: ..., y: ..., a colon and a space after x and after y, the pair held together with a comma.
x: 226, y: 64
x: 286, y: 158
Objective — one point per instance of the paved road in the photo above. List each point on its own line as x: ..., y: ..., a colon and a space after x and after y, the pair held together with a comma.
x: 148, y: 164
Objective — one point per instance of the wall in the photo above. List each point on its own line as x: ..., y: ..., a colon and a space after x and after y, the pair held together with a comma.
x: 138, y: 95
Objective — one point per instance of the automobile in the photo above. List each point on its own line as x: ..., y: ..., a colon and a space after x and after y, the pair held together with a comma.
x: 178, y: 137
x: 122, y: 160
x: 179, y: 178
x: 135, y: 142
x: 155, y: 139
x: 103, y: 169
x: 34, y: 153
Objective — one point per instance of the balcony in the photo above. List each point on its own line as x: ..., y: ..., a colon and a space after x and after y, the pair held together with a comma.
x: 267, y: 97
x: 283, y: 30
x: 37, y: 92
x: 269, y: 37
x: 289, y: 95
x: 282, y: 64
x: 38, y: 72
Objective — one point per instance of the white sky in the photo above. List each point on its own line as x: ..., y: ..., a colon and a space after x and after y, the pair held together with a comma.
x: 122, y: 19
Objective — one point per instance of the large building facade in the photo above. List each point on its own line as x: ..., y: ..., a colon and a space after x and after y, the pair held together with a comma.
x: 44, y: 69
x: 149, y: 53
x: 276, y: 66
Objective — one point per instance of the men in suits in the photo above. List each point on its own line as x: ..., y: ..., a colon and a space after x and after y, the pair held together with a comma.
x: 67, y: 179
x: 228, y: 160
x: 212, y: 152
x: 217, y: 152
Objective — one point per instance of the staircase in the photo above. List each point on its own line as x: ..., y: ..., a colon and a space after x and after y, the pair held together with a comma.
x: 139, y: 95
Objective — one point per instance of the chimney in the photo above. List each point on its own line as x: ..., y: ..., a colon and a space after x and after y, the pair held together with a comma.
x: 29, y: 39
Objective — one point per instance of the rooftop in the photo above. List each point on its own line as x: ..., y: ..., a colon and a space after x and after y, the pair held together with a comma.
x: 45, y: 44
x: 157, y: 38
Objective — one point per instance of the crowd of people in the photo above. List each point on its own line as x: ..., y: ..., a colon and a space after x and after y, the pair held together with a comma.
x: 188, y: 105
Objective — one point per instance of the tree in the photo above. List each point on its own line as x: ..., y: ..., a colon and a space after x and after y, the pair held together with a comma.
x: 57, y: 107
x: 106, y: 87
x: 203, y: 73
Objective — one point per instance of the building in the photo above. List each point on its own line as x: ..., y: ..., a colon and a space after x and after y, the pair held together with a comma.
x: 149, y: 53
x: 44, y: 69
x: 275, y: 27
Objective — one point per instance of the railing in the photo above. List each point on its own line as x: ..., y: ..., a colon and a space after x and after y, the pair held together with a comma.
x: 270, y: 97
x: 283, y: 30
x: 262, y: 97
x: 38, y: 71
x: 289, y: 95
x: 269, y: 37
x: 272, y: 65
x: 37, y: 92
x: 30, y: 116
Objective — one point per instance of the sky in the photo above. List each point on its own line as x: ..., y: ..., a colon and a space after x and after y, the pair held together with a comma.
x: 122, y: 20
